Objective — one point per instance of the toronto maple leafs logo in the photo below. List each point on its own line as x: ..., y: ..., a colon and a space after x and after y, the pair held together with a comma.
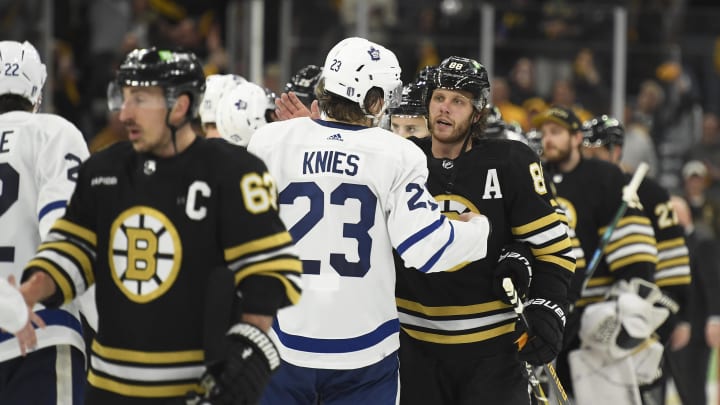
x: 374, y: 53
x: 241, y: 105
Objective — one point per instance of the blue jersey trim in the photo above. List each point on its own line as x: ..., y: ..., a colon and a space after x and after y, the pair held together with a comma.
x: 430, y: 263
x: 418, y: 236
x: 341, y: 125
x: 347, y: 345
x: 52, y: 317
x: 51, y: 207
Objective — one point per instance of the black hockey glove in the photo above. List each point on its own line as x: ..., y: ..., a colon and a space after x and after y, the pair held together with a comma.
x: 545, y: 338
x: 515, y: 262
x: 241, y: 379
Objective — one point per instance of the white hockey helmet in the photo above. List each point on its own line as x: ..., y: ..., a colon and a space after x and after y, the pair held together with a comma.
x: 21, y: 70
x: 215, y: 87
x: 240, y: 112
x: 356, y: 65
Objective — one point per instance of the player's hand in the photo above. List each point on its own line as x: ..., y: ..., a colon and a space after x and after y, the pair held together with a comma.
x: 712, y: 333
x: 547, y: 323
x: 467, y: 216
x: 515, y: 262
x: 289, y: 106
x: 23, y: 321
x: 680, y: 336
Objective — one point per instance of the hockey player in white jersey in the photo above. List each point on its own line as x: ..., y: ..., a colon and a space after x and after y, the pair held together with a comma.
x: 215, y: 87
x: 350, y: 192
x: 39, y: 159
x: 241, y: 111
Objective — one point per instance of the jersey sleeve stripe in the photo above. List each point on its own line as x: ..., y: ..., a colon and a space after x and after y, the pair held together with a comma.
x: 78, y: 255
x: 671, y: 243
x: 61, y: 278
x: 419, y: 235
x: 461, y: 339
x: 673, y: 263
x: 131, y: 390
x: 65, y: 226
x: 536, y: 224
x: 671, y: 281
x: 629, y: 220
x: 434, y: 259
x: 59, y: 204
x: 541, y: 238
x: 268, y: 267
x: 454, y: 310
x: 136, y: 356
x: 629, y: 240
x: 258, y: 245
x: 554, y: 248
x: 636, y: 258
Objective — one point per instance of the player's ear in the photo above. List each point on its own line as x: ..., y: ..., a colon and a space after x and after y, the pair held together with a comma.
x: 180, y: 108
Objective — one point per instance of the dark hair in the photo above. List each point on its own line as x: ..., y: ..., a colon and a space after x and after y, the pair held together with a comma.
x: 14, y: 102
x: 342, y: 109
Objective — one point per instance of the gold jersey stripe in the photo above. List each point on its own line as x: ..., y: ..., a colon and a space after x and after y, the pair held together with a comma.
x: 269, y: 267
x: 631, y: 220
x: 57, y: 275
x: 77, y: 253
x: 142, y: 391
x: 460, y: 339
x: 458, y: 267
x: 636, y: 258
x: 292, y: 293
x: 554, y: 248
x: 589, y: 300
x: 580, y: 263
x: 536, y: 224
x: 455, y: 310
x: 678, y: 261
x: 136, y: 356
x: 568, y: 265
x: 629, y: 240
x: 257, y: 245
x: 600, y: 281
x: 670, y: 281
x: 671, y: 243
x: 76, y: 230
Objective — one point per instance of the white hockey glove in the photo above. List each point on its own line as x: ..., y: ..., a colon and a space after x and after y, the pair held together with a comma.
x: 14, y: 312
x: 241, y: 379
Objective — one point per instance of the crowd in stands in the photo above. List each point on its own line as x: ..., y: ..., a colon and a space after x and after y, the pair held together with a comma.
x: 546, y: 52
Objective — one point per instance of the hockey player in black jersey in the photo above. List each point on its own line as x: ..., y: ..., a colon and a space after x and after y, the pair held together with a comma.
x: 152, y: 222
x: 590, y: 191
x: 603, y: 139
x: 458, y: 336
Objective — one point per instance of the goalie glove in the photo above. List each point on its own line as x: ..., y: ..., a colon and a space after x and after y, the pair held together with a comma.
x: 544, y: 340
x: 241, y: 378
x: 515, y: 262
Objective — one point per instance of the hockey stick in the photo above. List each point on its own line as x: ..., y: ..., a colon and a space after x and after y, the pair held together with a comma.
x: 629, y: 192
x: 511, y: 293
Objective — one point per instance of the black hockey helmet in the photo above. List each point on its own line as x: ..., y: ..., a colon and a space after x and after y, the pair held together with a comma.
x: 177, y: 72
x: 603, y: 131
x: 458, y: 73
x: 303, y: 83
x: 412, y: 103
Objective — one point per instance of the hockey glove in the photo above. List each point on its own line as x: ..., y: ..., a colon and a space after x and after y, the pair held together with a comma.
x: 546, y: 323
x: 241, y: 379
x: 515, y: 262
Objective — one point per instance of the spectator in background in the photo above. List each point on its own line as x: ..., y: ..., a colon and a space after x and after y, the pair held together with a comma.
x: 704, y: 210
x: 589, y: 87
x: 690, y: 345
x: 563, y: 94
x: 522, y: 81
x: 708, y: 152
x: 510, y: 111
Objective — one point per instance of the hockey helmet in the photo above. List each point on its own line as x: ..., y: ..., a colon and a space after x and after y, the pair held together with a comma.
x: 458, y: 73
x: 240, y: 112
x: 355, y: 65
x: 412, y: 103
x: 494, y: 125
x: 23, y: 72
x: 176, y: 72
x: 215, y: 87
x: 303, y: 83
x: 603, y: 131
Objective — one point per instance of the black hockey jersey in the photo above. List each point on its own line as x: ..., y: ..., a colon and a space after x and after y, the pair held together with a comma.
x: 147, y: 231
x: 456, y: 312
x: 591, y: 195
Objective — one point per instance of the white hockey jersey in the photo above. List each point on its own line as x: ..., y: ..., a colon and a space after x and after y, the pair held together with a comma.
x: 39, y: 158
x: 349, y: 194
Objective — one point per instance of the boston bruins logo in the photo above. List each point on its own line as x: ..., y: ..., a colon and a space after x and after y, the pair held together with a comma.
x: 453, y: 205
x: 145, y: 253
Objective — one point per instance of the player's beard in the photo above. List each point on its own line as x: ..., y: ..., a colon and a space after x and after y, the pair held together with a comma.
x: 558, y: 154
x: 457, y: 136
